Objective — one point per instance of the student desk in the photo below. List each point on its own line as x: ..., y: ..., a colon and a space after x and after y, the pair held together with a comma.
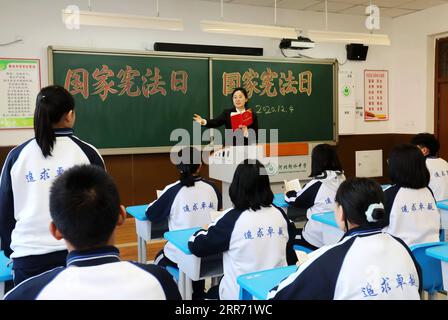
x: 258, y: 284
x: 146, y: 230
x: 443, y: 206
x: 330, y: 230
x: 143, y: 228
x: 279, y: 201
x: 441, y: 253
x: 192, y: 268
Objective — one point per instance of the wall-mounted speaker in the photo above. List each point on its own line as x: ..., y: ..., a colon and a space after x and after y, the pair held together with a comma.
x: 356, y: 51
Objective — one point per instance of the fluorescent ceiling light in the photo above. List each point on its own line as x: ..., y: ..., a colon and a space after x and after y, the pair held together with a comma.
x: 90, y: 18
x: 349, y: 37
x: 243, y: 29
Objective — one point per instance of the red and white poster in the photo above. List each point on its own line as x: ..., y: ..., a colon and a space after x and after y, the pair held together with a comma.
x: 376, y: 95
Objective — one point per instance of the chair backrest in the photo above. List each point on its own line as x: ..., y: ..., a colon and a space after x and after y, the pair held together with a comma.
x: 431, y: 268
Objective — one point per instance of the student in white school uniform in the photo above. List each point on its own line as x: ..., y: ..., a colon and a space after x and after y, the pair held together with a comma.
x: 187, y: 203
x: 25, y: 182
x: 410, y: 203
x: 367, y: 264
x: 438, y: 167
x: 85, y: 211
x: 318, y: 194
x: 253, y: 235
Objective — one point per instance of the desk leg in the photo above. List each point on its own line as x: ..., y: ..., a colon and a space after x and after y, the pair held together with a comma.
x: 181, y: 284
x: 2, y: 290
x: 141, y: 250
x: 144, y: 257
x: 188, y: 289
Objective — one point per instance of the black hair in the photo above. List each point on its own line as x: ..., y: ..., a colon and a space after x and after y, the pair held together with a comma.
x: 52, y: 103
x: 250, y: 186
x: 324, y: 157
x: 85, y: 205
x: 244, y: 91
x: 407, y: 167
x: 190, y: 160
x: 427, y: 140
x: 355, y: 195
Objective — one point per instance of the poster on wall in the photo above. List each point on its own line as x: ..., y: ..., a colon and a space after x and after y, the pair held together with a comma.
x: 19, y: 86
x: 346, y: 102
x: 376, y: 95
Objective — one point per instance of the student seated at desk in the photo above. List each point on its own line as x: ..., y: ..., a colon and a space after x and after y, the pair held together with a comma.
x: 366, y: 264
x: 85, y: 210
x: 410, y: 204
x: 253, y: 235
x: 318, y: 194
x: 187, y: 203
x: 438, y: 167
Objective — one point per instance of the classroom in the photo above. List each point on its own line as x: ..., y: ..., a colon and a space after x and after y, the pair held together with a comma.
x: 363, y: 125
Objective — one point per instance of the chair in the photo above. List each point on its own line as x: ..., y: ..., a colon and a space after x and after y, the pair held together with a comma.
x: 174, y: 272
x: 301, y: 248
x: 430, y: 268
x: 5, y: 273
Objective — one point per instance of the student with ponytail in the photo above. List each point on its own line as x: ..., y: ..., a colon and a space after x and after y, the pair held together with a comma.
x: 366, y: 264
x: 186, y: 203
x: 26, y: 178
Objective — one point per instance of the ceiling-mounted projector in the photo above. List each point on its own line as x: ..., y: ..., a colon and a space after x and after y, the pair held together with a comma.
x: 300, y: 43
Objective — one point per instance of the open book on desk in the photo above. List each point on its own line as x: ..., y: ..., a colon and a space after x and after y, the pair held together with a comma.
x: 292, y: 185
x: 241, y: 119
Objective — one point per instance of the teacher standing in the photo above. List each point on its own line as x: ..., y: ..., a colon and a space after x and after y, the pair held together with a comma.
x: 240, y: 99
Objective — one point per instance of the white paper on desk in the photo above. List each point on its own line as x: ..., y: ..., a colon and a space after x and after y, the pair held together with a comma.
x: 292, y: 185
x: 302, y: 256
x: 159, y: 193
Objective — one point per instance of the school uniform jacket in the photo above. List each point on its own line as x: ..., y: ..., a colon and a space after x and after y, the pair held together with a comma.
x: 249, y: 240
x: 98, y: 274
x: 185, y: 207
x: 24, y: 192
x: 438, y: 183
x: 364, y: 265
x: 317, y: 196
x: 413, y: 215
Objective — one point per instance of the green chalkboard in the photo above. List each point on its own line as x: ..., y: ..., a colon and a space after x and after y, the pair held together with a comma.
x: 132, y: 100
x: 296, y: 97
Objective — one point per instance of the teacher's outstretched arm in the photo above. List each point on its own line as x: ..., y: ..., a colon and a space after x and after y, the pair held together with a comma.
x: 211, y: 123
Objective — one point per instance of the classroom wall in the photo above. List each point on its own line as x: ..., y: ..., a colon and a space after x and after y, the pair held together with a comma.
x: 39, y: 24
x: 413, y: 64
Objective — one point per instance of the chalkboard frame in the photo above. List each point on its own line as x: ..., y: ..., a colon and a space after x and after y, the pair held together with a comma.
x: 211, y: 57
x: 332, y: 62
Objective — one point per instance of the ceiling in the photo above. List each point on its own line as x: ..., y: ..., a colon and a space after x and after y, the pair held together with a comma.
x: 388, y: 8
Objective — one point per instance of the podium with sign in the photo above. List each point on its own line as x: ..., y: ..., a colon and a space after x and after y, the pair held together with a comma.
x: 223, y: 163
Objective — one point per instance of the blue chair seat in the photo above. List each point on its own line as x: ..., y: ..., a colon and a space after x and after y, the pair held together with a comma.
x: 174, y: 272
x: 431, y: 268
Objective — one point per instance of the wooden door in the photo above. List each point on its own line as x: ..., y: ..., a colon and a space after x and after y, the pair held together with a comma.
x: 441, y: 96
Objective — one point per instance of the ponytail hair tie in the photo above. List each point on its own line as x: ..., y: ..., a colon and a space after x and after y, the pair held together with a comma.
x: 370, y: 210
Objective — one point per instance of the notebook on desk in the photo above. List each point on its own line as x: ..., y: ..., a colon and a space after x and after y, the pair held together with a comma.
x: 292, y: 185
